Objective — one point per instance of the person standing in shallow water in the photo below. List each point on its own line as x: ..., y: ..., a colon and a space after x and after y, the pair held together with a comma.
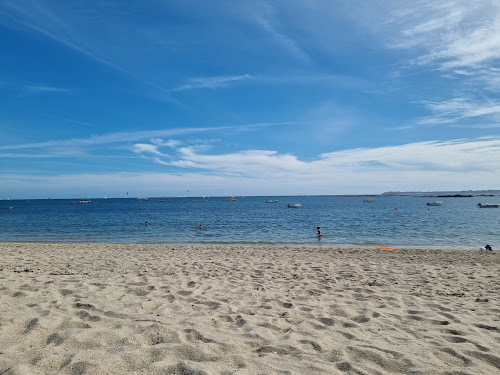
x: 319, y: 232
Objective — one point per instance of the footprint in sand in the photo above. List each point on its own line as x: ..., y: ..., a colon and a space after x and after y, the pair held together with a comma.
x: 313, y: 344
x: 361, y: 319
x: 33, y: 323
x: 84, y: 315
x: 327, y: 321
x: 55, y: 339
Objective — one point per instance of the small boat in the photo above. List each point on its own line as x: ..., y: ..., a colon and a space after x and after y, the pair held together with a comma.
x: 81, y: 202
x: 294, y: 205
x: 271, y: 201
x: 142, y: 199
x: 487, y: 205
x: 369, y: 200
x: 435, y: 203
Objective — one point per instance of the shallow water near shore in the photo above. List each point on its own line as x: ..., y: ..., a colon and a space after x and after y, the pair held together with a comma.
x: 388, y: 221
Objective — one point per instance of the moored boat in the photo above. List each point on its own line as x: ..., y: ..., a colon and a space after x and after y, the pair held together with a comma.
x: 294, y: 205
x: 81, y: 202
x: 487, y: 205
x: 435, y: 203
x: 271, y: 201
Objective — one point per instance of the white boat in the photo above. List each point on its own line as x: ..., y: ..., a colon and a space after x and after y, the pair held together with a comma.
x: 487, y: 205
x: 369, y: 200
x: 142, y: 199
x: 271, y: 201
x: 435, y: 203
x: 294, y: 205
x: 81, y: 202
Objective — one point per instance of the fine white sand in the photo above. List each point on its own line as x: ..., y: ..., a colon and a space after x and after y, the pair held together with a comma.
x: 171, y: 309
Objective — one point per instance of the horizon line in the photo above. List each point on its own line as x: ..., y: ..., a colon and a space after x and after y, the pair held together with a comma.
x: 386, y: 193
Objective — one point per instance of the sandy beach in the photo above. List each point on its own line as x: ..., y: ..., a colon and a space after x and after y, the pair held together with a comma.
x: 195, y: 309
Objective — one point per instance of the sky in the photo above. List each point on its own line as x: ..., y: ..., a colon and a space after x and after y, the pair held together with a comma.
x: 285, y: 97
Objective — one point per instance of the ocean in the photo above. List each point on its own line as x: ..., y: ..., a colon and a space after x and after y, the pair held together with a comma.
x: 348, y: 220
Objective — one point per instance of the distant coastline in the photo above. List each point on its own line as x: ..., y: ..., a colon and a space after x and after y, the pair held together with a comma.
x: 444, y: 194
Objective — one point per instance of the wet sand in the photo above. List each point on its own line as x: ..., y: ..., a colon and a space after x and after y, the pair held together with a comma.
x: 193, y: 309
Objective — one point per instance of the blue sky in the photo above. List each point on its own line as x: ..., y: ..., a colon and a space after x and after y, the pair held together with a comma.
x: 157, y: 98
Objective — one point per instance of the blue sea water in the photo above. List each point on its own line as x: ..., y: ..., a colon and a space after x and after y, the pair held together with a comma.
x: 458, y: 223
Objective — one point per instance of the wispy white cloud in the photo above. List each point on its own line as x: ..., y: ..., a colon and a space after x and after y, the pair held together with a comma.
x: 32, y: 88
x: 118, y: 137
x: 55, y: 152
x: 455, y: 156
x: 457, y: 109
x: 287, y: 42
x: 246, y: 163
x: 29, y: 155
x: 141, y: 148
x: 265, y: 15
x: 135, y: 136
x: 450, y: 35
x: 168, y: 143
x: 74, y: 122
x: 212, y: 82
x: 429, y: 165
x: 38, y: 89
